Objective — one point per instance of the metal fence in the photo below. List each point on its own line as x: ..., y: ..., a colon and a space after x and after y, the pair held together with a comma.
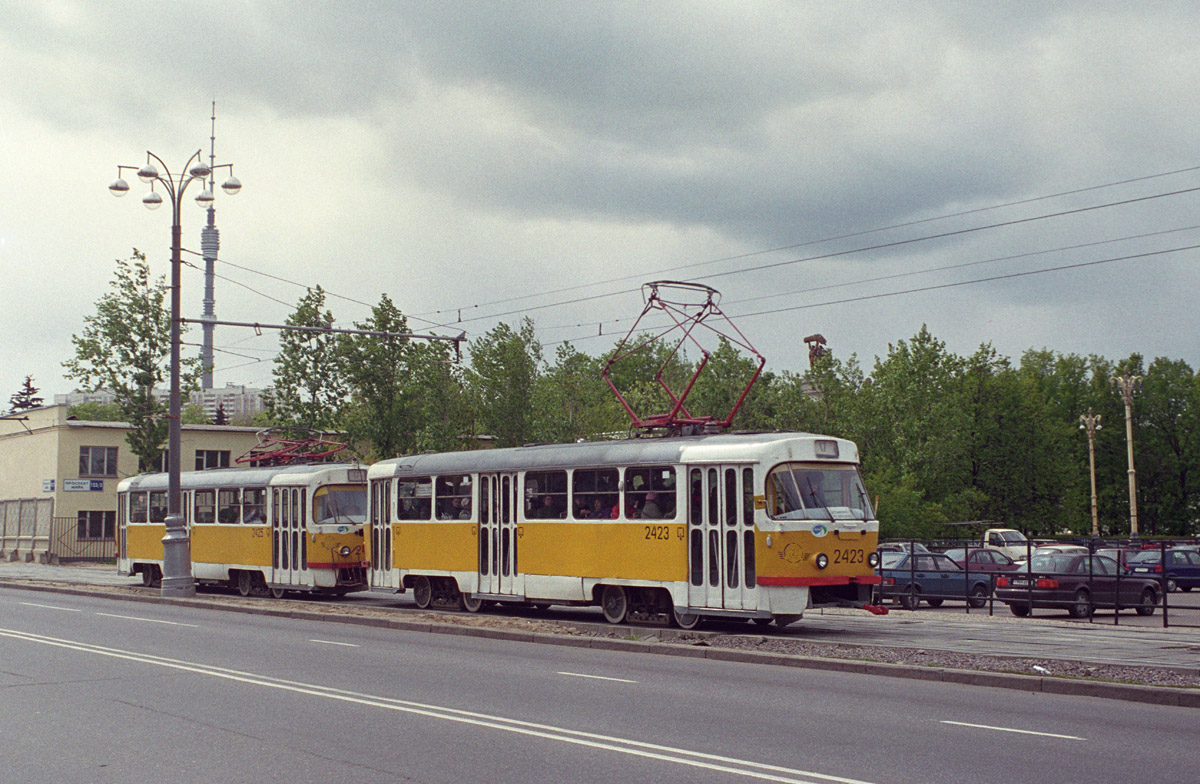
x: 66, y: 544
x: 1159, y: 585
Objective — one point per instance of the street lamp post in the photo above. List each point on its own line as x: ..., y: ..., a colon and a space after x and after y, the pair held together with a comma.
x: 1091, y: 423
x: 1127, y: 385
x: 177, y: 556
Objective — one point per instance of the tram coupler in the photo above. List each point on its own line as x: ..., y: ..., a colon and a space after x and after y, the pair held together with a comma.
x: 875, y: 609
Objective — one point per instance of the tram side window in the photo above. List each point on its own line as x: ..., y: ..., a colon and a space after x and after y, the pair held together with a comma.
x: 158, y: 507
x: 206, y: 510
x: 453, y: 497
x: 414, y: 498
x: 545, y: 495
x: 595, y: 494
x: 253, y: 505
x: 229, y: 508
x: 138, y: 505
x: 650, y: 492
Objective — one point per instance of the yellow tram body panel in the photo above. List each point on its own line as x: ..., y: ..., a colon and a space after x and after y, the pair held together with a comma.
x: 442, y: 546
x: 145, y: 541
x: 324, y: 549
x: 788, y: 555
x: 248, y: 545
x: 635, y: 550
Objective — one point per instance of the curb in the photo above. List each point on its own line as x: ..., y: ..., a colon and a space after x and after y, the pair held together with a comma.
x: 1159, y: 695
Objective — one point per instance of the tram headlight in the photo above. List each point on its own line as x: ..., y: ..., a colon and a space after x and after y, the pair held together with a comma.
x: 345, y: 551
x: 873, y: 560
x: 822, y: 561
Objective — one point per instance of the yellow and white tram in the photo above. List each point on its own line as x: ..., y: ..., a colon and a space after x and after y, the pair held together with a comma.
x: 259, y: 530
x: 757, y: 526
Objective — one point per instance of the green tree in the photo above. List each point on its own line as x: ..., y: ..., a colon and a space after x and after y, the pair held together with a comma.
x: 573, y: 402
x: 505, y: 365
x: 125, y: 347
x: 309, y: 384
x: 382, y: 413
x: 96, y: 412
x: 25, y: 398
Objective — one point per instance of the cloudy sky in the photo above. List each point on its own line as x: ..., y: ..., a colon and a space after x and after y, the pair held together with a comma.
x: 829, y: 167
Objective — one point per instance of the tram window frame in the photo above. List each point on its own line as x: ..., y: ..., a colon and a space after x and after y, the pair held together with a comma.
x: 229, y: 505
x: 540, y: 485
x: 158, y: 506
x: 205, y: 500
x: 643, y: 481
x: 414, y: 498
x: 589, y: 485
x: 139, y: 507
x: 786, y: 500
x: 254, y: 502
x: 450, y: 489
x: 750, y: 577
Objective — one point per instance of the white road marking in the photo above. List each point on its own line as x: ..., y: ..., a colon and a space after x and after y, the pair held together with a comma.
x: 148, y: 620
x: 50, y: 607
x: 1010, y: 729
x: 695, y: 759
x: 331, y: 642
x: 596, y: 677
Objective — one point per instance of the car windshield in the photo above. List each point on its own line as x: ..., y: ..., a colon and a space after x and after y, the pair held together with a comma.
x: 956, y: 554
x: 889, y: 560
x: 1059, y: 564
x: 1147, y: 556
x: 807, y: 491
x: 1013, y: 537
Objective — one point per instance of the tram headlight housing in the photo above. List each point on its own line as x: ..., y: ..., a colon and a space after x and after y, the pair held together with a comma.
x: 873, y: 560
x: 822, y: 561
x: 345, y: 551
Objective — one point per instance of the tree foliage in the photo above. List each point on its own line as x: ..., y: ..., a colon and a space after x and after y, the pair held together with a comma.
x: 125, y: 347
x: 310, y: 386
x: 25, y: 398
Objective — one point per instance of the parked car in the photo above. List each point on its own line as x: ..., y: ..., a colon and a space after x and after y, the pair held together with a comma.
x: 1119, y: 554
x: 902, y: 547
x: 1183, y: 567
x: 981, y: 559
x: 931, y: 577
x: 1054, y: 549
x: 1077, y: 583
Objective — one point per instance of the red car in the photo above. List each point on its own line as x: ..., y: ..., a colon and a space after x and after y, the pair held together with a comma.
x: 982, y: 559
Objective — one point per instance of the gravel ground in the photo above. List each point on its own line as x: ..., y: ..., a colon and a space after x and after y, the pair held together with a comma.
x: 752, y: 642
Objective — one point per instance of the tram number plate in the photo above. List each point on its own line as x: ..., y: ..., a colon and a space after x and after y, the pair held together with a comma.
x: 849, y: 556
x: 658, y: 532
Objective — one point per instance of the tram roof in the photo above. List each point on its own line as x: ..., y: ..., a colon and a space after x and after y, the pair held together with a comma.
x: 233, y: 477
x: 724, y: 447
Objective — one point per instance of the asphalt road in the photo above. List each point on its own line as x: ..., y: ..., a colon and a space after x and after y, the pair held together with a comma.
x: 93, y: 690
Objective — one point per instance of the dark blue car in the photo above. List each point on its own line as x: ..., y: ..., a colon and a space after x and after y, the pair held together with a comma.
x: 931, y: 577
x: 1183, y: 567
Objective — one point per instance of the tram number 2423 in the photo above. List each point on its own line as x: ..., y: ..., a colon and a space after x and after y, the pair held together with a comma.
x: 661, y: 532
x: 849, y: 556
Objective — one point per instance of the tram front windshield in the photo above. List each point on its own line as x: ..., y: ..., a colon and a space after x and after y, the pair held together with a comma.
x: 807, y: 491
x: 340, y: 505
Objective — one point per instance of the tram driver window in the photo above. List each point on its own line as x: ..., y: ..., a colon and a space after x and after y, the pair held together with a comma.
x: 595, y: 494
x: 414, y: 498
x: 545, y: 495
x: 650, y: 493
x: 453, y: 497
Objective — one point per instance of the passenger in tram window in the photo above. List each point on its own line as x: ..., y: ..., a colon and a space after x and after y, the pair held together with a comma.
x: 582, y: 510
x: 597, y: 510
x: 464, y: 509
x: 651, y: 510
x: 547, y: 510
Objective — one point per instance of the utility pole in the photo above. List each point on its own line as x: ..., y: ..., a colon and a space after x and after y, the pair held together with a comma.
x: 1127, y: 385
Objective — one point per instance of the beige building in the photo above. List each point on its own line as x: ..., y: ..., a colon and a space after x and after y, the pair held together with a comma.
x: 59, y: 476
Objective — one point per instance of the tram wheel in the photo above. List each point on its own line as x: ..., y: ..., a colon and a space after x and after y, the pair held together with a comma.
x: 472, y: 603
x: 422, y: 592
x: 277, y: 593
x: 151, y: 576
x: 245, y: 583
x: 762, y: 621
x: 614, y: 603
x: 685, y: 620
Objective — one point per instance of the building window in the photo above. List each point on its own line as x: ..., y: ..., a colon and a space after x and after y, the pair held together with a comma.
x: 97, y: 461
x: 211, y: 458
x: 96, y: 525
x: 159, y: 464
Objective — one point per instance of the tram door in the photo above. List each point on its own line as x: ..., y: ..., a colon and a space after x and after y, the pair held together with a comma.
x: 381, y: 537
x: 498, y: 535
x: 721, y: 569
x: 289, y: 548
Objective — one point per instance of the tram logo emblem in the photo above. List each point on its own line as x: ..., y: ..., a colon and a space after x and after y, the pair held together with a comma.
x: 819, y: 531
x: 793, y: 553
